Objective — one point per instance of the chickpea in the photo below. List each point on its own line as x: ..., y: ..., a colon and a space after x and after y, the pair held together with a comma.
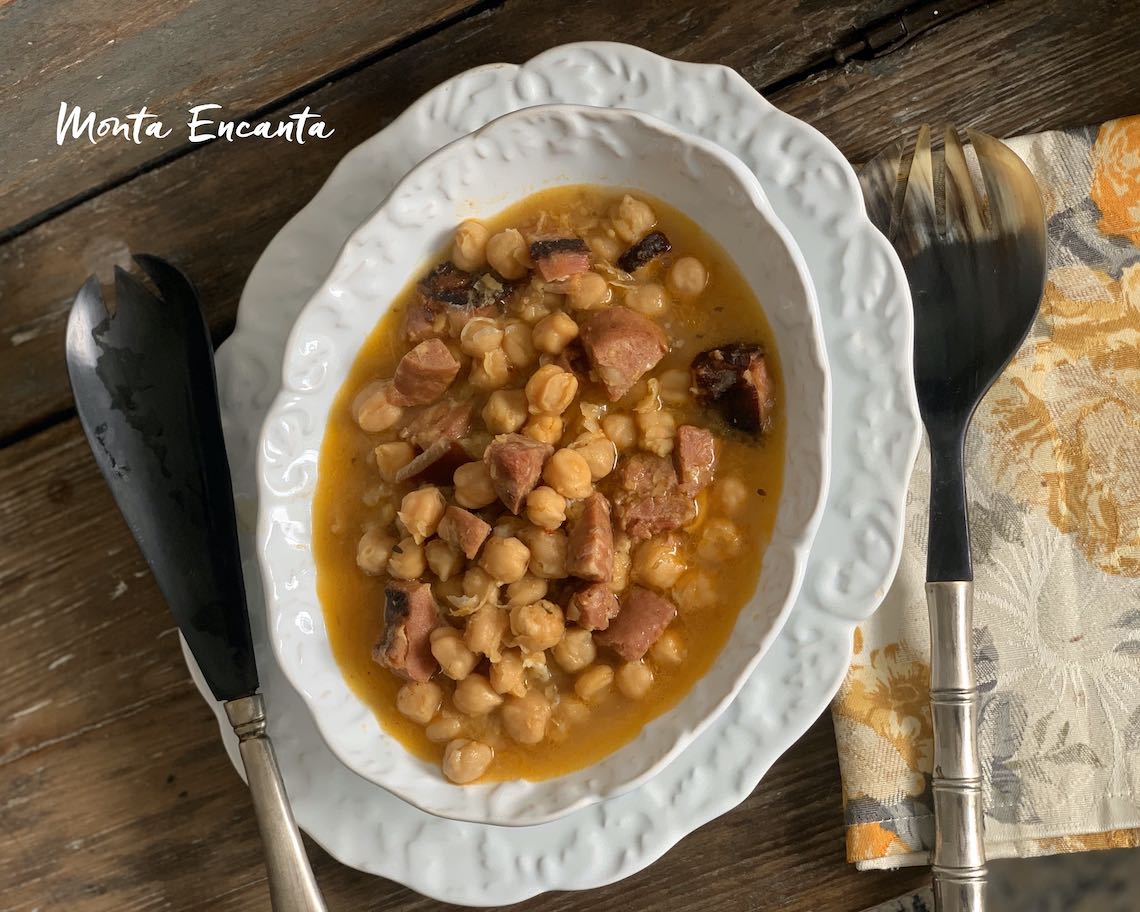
x: 576, y: 650
x: 546, y: 508
x: 473, y: 486
x: 455, y: 659
x: 475, y: 696
x: 657, y: 563
x: 525, y: 718
x: 507, y: 526
x: 599, y: 452
x: 485, y: 629
x: 407, y: 560
x: 518, y: 343
x: 552, y: 334
x: 634, y: 680
x: 469, y: 251
x: 373, y: 410
x: 687, y: 277
x: 445, y: 590
x: 419, y: 701
x: 569, y: 474
x: 445, y: 728
x: 505, y: 411
x: 479, y: 336
x: 658, y: 428
x: 633, y: 219
x: 593, y: 684
x: 444, y: 560
x: 695, y: 590
x: 420, y: 512
x: 673, y: 387
x: 720, y: 540
x: 730, y: 494
x: 648, y: 299
x: 550, y: 390
x: 588, y: 291
x: 605, y: 248
x: 391, y: 457
x: 505, y: 559
x: 479, y: 584
x: 622, y: 568
x: 621, y: 429
x: 669, y: 650
x: 373, y: 551
x: 490, y: 371
x: 537, y: 626
x: 544, y: 429
x: 465, y: 761
x: 508, y: 255
x: 527, y: 590
x: 547, y: 552
x: 508, y: 674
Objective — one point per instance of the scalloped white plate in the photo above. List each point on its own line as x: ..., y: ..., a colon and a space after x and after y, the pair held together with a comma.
x: 867, y: 325
x: 510, y: 158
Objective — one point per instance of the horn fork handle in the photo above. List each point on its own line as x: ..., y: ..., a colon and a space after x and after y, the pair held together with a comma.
x: 959, y: 860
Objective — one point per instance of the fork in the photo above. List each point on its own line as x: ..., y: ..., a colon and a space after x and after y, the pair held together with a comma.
x: 975, y: 262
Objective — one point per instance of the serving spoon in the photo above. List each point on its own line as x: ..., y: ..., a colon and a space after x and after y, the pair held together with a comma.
x: 975, y: 263
x: 143, y: 378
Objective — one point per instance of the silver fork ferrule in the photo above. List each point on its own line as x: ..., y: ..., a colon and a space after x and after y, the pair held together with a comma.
x: 959, y: 861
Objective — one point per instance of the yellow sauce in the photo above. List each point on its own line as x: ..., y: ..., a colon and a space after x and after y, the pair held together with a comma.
x: 346, y: 501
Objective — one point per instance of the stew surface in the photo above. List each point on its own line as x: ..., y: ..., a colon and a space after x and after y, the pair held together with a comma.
x: 530, y: 540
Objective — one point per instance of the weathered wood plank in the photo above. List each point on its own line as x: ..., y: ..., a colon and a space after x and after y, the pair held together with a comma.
x: 169, y: 56
x: 1008, y: 68
x: 213, y: 211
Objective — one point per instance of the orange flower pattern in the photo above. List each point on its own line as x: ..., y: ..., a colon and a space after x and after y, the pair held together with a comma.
x: 1054, y: 483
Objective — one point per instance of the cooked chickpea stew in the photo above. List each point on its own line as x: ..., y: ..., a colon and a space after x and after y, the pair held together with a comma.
x: 543, y: 460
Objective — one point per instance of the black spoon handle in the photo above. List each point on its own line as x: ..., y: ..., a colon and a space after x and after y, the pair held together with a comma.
x: 959, y: 861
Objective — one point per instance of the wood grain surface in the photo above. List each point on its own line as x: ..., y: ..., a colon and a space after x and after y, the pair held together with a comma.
x: 115, y: 791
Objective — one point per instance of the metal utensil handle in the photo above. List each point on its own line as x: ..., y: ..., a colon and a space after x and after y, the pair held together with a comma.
x: 292, y: 887
x: 959, y: 862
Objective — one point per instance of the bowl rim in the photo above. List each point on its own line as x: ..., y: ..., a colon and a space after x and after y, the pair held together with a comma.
x: 800, y: 543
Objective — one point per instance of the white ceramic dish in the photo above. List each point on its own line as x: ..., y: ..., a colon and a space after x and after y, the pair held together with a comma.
x: 875, y: 431
x: 497, y: 165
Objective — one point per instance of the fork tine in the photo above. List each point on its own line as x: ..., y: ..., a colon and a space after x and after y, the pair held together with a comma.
x: 916, y: 228
x: 882, y: 182
x: 964, y: 220
x: 1014, y: 198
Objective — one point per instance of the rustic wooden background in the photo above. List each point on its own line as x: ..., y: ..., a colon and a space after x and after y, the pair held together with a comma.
x: 115, y: 793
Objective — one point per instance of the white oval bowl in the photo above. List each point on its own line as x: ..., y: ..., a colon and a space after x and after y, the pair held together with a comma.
x: 479, y: 175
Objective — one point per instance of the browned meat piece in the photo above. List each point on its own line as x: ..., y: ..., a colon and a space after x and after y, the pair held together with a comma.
x: 622, y: 345
x: 643, y: 617
x: 448, y: 290
x: 435, y: 465
x: 515, y: 463
x: 447, y: 420
x: 463, y: 530
x: 734, y: 380
x: 424, y: 374
x: 652, y: 245
x: 592, y: 607
x: 573, y: 358
x: 649, y: 499
x: 409, y: 618
x: 696, y: 458
x: 560, y: 257
x: 590, y: 547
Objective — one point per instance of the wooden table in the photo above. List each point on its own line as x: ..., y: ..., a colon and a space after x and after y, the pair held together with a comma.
x: 115, y: 793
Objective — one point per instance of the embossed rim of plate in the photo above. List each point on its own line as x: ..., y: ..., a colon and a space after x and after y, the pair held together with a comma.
x: 367, y: 827
x: 528, y: 150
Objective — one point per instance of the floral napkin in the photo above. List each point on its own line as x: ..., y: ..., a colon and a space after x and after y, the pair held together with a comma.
x: 1053, y: 462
